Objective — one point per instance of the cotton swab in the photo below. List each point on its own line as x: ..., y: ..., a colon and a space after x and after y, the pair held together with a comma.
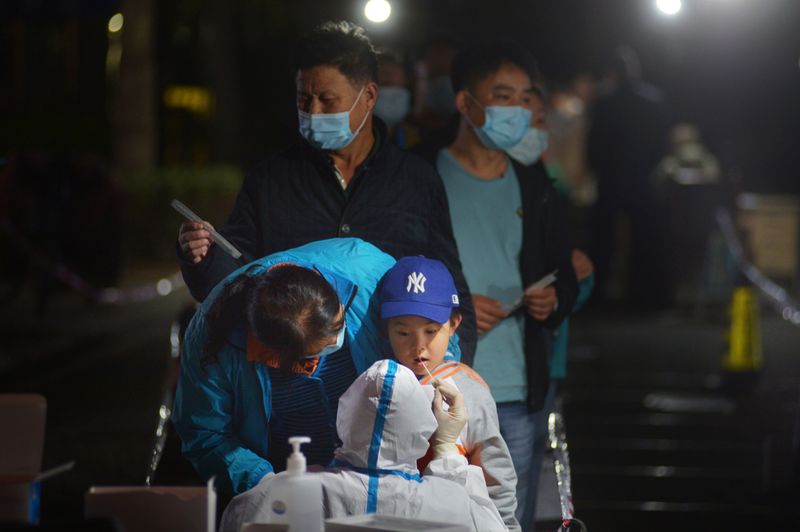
x: 424, y: 365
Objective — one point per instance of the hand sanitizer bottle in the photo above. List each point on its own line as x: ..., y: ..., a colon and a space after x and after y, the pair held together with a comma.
x: 297, y: 495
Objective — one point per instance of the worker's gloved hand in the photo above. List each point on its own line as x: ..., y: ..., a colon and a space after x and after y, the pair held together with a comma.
x: 451, y: 421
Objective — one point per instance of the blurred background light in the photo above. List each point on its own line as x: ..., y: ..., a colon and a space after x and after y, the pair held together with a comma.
x: 669, y: 7
x: 115, y: 23
x: 377, y: 10
x: 188, y: 97
x: 164, y: 287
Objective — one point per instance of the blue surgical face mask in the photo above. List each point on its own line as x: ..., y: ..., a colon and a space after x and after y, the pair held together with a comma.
x: 531, y: 147
x: 394, y: 104
x: 503, y: 127
x: 329, y: 131
x: 332, y: 348
x: 439, y: 95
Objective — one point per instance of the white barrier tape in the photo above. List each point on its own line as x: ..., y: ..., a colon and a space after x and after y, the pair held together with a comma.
x: 163, y: 287
x: 780, y: 300
x: 167, y: 401
x: 566, y: 525
x: 558, y: 444
x: 117, y: 296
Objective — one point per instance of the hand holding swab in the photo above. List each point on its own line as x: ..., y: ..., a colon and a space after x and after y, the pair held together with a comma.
x: 218, y: 238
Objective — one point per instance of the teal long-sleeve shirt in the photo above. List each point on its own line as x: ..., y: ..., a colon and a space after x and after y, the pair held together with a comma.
x: 558, y: 354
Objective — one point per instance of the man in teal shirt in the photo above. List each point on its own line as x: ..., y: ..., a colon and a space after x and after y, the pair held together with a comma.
x: 509, y: 227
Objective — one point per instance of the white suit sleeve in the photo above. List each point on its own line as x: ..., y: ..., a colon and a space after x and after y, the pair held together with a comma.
x: 488, y: 450
x: 251, y: 506
x: 456, y: 469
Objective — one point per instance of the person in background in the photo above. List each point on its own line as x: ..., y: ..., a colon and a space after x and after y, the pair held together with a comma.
x: 509, y: 226
x: 394, y: 103
x: 420, y: 312
x: 688, y: 180
x: 434, y: 109
x: 689, y: 161
x: 342, y: 178
x: 385, y: 422
x: 627, y: 139
x: 567, y: 125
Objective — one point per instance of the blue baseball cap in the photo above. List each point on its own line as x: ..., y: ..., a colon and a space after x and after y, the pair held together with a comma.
x: 418, y: 286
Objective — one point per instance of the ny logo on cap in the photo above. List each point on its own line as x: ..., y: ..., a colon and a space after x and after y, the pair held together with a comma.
x: 416, y: 280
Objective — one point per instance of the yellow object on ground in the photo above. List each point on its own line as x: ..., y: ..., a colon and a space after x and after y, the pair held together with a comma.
x: 744, y: 351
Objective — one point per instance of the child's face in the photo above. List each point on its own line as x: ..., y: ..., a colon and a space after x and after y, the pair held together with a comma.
x: 419, y: 342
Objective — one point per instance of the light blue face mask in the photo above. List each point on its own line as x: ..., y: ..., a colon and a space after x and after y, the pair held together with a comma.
x: 394, y: 104
x: 332, y: 348
x: 329, y: 131
x: 530, y: 148
x: 503, y: 127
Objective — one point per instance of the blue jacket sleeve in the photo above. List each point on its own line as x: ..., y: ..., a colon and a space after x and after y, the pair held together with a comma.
x: 203, y: 417
x: 585, y: 288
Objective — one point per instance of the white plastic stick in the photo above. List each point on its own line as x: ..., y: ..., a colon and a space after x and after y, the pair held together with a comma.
x: 63, y: 468
x: 545, y: 281
x: 218, y: 238
x: 424, y: 365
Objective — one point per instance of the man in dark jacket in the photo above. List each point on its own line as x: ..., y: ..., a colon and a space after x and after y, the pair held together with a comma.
x: 509, y: 226
x: 343, y: 179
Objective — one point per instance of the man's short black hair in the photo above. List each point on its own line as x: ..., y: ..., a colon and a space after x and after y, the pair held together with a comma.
x: 479, y: 61
x: 341, y: 44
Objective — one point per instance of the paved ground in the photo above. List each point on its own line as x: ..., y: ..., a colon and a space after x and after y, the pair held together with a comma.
x: 657, y: 443
x: 660, y: 441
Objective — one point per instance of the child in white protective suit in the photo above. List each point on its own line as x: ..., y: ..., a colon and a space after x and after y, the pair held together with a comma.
x: 419, y: 308
x: 385, y: 421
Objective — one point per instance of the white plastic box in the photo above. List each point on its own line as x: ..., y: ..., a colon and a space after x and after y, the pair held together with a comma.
x: 156, y: 508
x: 386, y: 523
x: 773, y: 225
x: 364, y: 523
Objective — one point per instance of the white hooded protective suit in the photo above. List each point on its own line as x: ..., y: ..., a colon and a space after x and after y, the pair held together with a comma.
x: 385, y: 422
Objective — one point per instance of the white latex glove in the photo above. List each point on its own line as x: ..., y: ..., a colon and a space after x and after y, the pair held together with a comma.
x: 451, y: 421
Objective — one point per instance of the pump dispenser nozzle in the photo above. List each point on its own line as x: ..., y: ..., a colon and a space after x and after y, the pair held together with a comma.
x: 296, y: 463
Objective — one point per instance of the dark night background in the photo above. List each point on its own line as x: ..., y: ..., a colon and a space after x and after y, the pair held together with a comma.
x: 100, y: 129
x: 732, y: 66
